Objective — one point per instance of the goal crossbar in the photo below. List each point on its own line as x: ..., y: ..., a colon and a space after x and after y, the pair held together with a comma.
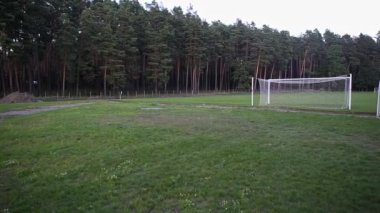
x: 298, y: 80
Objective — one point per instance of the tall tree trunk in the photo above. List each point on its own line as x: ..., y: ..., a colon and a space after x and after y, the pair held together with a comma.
x: 2, y: 72
x: 39, y: 83
x: 63, y: 79
x: 272, y: 71
x: 206, y: 76
x: 166, y: 83
x: 105, y: 81
x: 192, y: 73
x: 304, y: 64
x: 187, y: 75
x: 10, y: 77
x: 35, y: 62
x: 195, y: 73
x: 257, y: 71
x: 49, y: 78
x: 143, y: 70
x: 16, y: 78
x: 222, y: 67
x: 77, y: 77
x: 265, y: 73
x: 291, y: 68
x: 23, y: 78
x: 216, y: 74
x: 348, y: 68
x: 286, y: 73
x: 178, y: 68
x: 299, y: 67
x: 311, y: 65
x: 199, y: 75
x: 30, y: 80
x: 156, y: 82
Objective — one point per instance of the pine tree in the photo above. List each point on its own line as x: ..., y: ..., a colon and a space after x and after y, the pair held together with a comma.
x: 98, y: 24
x: 178, y: 43
x: 335, y: 57
x: 126, y: 42
x: 67, y: 41
x: 159, y: 56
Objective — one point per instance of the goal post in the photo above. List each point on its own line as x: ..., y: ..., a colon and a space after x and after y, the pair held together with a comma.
x: 350, y: 92
x: 252, y: 81
x: 329, y: 92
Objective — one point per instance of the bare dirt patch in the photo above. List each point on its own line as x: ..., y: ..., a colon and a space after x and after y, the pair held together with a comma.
x: 18, y: 97
x: 36, y: 110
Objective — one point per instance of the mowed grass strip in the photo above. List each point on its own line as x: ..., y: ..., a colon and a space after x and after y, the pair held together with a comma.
x: 362, y: 102
x: 112, y: 156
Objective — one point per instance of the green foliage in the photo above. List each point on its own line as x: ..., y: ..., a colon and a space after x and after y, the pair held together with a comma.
x: 159, y: 33
x: 241, y: 74
x: 98, y: 25
x: 368, y: 73
x: 335, y: 60
x: 112, y: 45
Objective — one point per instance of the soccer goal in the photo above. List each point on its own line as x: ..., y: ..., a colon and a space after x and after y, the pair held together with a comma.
x: 378, y: 101
x: 328, y: 93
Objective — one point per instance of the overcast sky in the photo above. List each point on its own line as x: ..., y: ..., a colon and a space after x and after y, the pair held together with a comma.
x: 296, y: 16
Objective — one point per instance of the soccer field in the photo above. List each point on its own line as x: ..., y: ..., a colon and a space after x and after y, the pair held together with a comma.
x: 191, y: 154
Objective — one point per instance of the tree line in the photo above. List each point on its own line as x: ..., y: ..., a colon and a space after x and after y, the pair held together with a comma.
x: 103, y: 46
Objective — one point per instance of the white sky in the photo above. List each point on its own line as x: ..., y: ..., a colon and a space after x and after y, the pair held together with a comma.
x: 296, y: 16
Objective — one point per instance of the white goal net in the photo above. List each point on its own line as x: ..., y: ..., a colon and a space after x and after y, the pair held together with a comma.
x: 329, y: 93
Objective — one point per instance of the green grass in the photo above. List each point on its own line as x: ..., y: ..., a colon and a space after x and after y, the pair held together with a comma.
x: 362, y: 102
x: 241, y: 100
x: 129, y: 156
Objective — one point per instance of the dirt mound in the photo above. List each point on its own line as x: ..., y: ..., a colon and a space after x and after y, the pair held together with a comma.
x: 18, y: 97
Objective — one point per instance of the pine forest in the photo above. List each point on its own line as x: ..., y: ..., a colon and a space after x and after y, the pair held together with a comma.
x: 76, y: 47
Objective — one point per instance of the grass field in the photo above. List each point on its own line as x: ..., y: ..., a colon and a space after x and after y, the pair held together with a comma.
x: 178, y: 154
x: 361, y: 101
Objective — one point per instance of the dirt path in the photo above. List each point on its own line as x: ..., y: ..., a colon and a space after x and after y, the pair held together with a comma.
x: 36, y: 110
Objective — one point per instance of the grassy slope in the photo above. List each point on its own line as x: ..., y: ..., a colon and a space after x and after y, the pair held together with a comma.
x: 118, y: 156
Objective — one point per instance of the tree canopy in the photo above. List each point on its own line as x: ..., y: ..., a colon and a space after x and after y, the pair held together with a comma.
x: 102, y: 46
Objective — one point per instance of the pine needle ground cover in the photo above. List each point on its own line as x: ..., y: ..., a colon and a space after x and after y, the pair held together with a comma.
x: 145, y: 156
